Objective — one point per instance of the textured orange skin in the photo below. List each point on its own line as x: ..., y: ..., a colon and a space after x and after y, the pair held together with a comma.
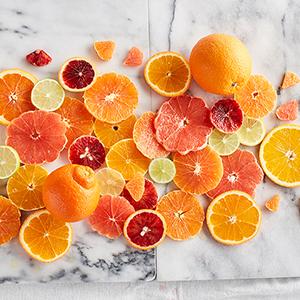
x: 71, y: 193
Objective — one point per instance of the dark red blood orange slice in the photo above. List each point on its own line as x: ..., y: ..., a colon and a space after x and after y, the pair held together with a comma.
x: 38, y: 58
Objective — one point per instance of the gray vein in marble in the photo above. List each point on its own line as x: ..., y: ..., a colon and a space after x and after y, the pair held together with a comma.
x: 171, y: 23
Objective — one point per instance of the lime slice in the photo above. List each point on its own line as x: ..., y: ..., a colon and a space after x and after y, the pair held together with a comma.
x: 222, y: 143
x: 162, y: 170
x: 47, y: 95
x: 252, y: 132
x: 9, y: 161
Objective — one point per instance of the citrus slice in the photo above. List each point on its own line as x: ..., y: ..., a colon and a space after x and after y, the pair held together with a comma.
x: 288, y: 111
x: 289, y: 79
x: 145, y: 229
x: 273, y: 203
x: 168, y: 74
x: 183, y: 213
x: 38, y: 136
x: 144, y: 137
x: 47, y: 95
x: 24, y: 188
x: 15, y: 93
x: 162, y: 170
x: 77, y: 74
x: 279, y: 155
x: 45, y: 238
x: 38, y: 58
x: 183, y: 124
x: 199, y: 171
x: 257, y: 97
x: 109, y: 134
x: 222, y: 143
x: 110, y: 215
x: 252, y: 132
x: 241, y: 172
x: 77, y: 119
x: 9, y: 161
x: 9, y: 219
x: 104, y: 49
x: 112, y: 98
x: 136, y: 187
x: 233, y: 218
x: 134, y: 57
x: 127, y: 159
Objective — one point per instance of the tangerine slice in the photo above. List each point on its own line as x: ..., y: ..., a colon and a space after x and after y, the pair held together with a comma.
x: 288, y: 111
x: 136, y: 187
x: 289, y: 79
x: 134, y: 57
x: 104, y: 49
x: 273, y: 203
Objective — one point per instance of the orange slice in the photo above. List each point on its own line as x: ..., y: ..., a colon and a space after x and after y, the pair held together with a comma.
x: 289, y: 79
x: 273, y: 203
x: 136, y: 187
x: 233, y: 218
x: 104, y: 49
x: 168, y: 74
x: 134, y: 57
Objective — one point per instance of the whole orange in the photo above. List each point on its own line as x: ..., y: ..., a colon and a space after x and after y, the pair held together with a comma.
x: 220, y: 64
x: 71, y: 193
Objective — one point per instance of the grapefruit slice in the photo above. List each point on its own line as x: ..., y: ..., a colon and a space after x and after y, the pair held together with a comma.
x: 136, y: 187
x: 183, y: 124
x: 104, y: 49
x: 290, y: 79
x: 273, y: 203
x: 288, y: 111
x: 134, y: 57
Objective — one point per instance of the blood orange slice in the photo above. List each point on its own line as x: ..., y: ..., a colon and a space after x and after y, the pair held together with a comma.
x: 145, y: 229
x: 134, y: 57
x: 110, y: 215
x: 38, y: 136
x: 288, y: 111
x: 241, y: 172
x: 104, y: 49
x: 183, y: 124
x: 136, y: 186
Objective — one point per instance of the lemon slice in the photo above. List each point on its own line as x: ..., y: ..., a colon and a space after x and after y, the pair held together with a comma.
x: 252, y: 132
x: 162, y: 170
x: 9, y: 161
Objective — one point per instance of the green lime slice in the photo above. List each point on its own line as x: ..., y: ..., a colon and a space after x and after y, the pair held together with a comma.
x: 252, y: 132
x: 9, y: 161
x: 47, y: 95
x: 162, y: 170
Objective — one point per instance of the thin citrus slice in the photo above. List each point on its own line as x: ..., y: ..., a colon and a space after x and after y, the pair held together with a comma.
x: 112, y: 98
x: 145, y: 139
x: 109, y: 134
x: 15, y: 93
x: 279, y: 155
x: 38, y: 58
x: 47, y: 95
x: 252, y: 132
x: 168, y: 74
x: 45, y: 238
x: 273, y: 203
x: 145, y: 229
x: 199, y: 171
x: 104, y: 49
x: 183, y: 124
x: 222, y: 143
x: 9, y: 161
x: 233, y: 218
x: 289, y: 79
x: 288, y: 111
x: 183, y: 213
x: 162, y: 170
x: 241, y: 172
x: 110, y: 215
x: 127, y: 159
x: 9, y: 219
x: 136, y: 186
x: 134, y: 57
x: 24, y: 188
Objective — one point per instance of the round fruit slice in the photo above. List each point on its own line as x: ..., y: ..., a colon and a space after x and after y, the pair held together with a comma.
x: 257, y: 97
x: 241, y: 172
x: 252, y: 132
x: 288, y: 111
x: 38, y: 136
x: 9, y: 219
x: 183, y: 213
x: 110, y: 215
x: 226, y: 115
x: 47, y: 95
x: 45, y: 238
x: 279, y: 155
x: 136, y: 187
x: 15, y: 93
x: 104, y: 49
x: 162, y: 170
x: 77, y: 74
x: 222, y: 143
x: 168, y: 74
x: 24, y: 188
x: 9, y: 161
x: 109, y: 134
x: 199, y: 171
x: 233, y: 218
x: 88, y: 151
x: 183, y: 124
x: 127, y: 159
x: 145, y: 229
x: 145, y: 139
x: 112, y: 98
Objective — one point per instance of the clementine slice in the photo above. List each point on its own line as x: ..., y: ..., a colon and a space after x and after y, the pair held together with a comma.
x: 134, y: 57
x: 273, y: 203
x: 288, y: 111
x: 104, y: 49
x: 289, y: 79
x: 136, y: 186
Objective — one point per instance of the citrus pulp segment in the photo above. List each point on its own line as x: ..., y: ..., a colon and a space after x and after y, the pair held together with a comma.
x: 162, y: 170
x: 288, y: 111
x: 273, y: 203
x: 134, y: 57
x: 136, y: 187
x: 104, y: 49
x: 9, y: 161
x: 289, y: 79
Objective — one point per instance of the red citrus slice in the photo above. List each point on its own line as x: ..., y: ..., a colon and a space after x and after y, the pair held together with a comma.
x: 183, y: 124
x: 134, y: 57
x: 38, y: 136
x: 88, y: 151
x: 136, y: 186
x: 226, y: 115
x: 288, y: 111
x: 241, y: 172
x: 38, y: 58
x: 145, y: 139
x: 104, y: 49
x: 145, y: 229
x: 109, y: 217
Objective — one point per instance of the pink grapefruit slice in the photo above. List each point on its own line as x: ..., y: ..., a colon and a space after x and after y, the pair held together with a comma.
x: 288, y: 111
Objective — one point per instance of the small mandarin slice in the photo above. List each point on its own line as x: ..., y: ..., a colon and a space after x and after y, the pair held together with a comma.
x: 290, y: 79
x: 136, y: 186
x: 134, y: 57
x: 105, y: 49
x: 273, y: 203
x: 288, y: 111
